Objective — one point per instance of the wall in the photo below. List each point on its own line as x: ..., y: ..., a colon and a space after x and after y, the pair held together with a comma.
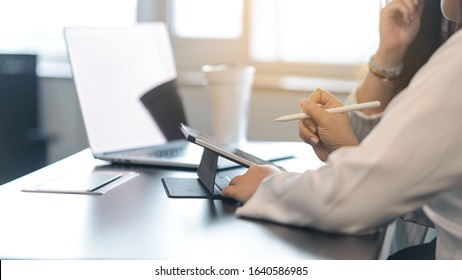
x: 61, y: 118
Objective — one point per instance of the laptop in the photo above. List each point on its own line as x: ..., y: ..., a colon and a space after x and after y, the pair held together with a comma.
x: 126, y: 86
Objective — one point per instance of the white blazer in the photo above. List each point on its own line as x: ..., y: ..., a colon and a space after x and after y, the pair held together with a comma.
x: 412, y: 158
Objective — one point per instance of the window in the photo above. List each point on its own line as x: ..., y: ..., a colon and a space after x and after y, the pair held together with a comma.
x: 328, y: 31
x: 282, y: 37
x: 31, y: 26
x: 221, y: 18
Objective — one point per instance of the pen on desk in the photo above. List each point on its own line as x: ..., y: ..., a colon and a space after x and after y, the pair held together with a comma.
x: 343, y: 109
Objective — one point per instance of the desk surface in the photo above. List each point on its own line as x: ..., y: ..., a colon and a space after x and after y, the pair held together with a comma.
x: 137, y: 220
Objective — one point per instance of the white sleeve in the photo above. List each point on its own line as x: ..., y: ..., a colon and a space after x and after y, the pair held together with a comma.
x: 409, y: 158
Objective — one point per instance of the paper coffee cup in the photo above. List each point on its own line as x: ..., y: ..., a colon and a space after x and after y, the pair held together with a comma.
x: 228, y: 91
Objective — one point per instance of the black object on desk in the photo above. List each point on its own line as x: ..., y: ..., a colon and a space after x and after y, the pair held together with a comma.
x: 208, y: 185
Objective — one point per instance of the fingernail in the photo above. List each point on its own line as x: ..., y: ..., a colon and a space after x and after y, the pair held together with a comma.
x: 314, y: 140
x: 303, y: 101
x: 312, y: 128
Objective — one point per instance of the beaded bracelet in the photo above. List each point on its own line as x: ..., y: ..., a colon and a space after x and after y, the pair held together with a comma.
x: 385, y: 74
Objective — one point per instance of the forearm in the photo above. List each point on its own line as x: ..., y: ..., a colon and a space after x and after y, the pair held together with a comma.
x: 375, y: 87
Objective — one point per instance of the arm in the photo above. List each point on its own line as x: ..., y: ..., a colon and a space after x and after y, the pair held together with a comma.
x: 399, y: 24
x: 324, y: 131
x: 407, y: 161
x: 396, y: 36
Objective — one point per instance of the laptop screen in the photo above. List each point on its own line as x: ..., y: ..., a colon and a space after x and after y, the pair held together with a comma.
x: 118, y: 72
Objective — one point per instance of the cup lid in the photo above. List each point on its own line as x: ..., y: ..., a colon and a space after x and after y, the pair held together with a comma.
x: 227, y: 67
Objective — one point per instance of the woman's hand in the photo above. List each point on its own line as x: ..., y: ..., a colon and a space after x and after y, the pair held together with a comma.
x: 241, y: 188
x: 324, y: 131
x: 399, y: 24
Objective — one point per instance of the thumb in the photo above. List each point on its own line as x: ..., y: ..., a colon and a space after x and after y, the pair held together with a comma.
x: 316, y: 112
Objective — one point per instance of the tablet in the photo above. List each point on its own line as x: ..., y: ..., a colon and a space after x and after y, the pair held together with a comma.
x: 225, y: 150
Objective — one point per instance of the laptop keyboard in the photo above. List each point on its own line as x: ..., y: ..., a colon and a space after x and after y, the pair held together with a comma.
x: 156, y: 153
x: 170, y: 153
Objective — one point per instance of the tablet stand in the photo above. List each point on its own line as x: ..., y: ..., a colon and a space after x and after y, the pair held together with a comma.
x: 202, y: 187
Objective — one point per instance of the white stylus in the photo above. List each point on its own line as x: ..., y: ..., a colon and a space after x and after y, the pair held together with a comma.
x: 343, y: 109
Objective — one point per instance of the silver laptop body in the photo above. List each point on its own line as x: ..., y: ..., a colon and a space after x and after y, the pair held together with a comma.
x: 126, y: 85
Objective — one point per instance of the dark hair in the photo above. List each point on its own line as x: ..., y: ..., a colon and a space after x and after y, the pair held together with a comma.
x: 459, y: 19
x: 433, y: 32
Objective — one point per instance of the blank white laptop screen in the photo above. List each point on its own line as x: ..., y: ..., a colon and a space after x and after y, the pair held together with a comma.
x: 115, y: 67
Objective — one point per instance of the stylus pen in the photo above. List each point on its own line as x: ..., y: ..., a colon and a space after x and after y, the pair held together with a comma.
x: 343, y: 109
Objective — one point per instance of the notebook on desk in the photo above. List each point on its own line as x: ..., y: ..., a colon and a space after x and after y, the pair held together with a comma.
x: 126, y: 86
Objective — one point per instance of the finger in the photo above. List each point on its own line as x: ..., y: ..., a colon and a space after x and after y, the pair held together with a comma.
x: 307, y: 132
x: 317, y: 114
x: 235, y: 180
x: 419, y: 7
x: 302, y: 103
x: 410, y: 5
x: 318, y: 96
x: 415, y: 8
x: 235, y: 192
x: 228, y: 191
x: 310, y: 125
x: 404, y: 8
x: 325, y: 98
x: 312, y: 141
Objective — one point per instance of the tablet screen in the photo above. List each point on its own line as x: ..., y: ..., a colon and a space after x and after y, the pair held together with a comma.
x: 225, y: 150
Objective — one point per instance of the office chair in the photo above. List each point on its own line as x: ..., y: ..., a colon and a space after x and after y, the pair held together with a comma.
x: 412, y: 228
